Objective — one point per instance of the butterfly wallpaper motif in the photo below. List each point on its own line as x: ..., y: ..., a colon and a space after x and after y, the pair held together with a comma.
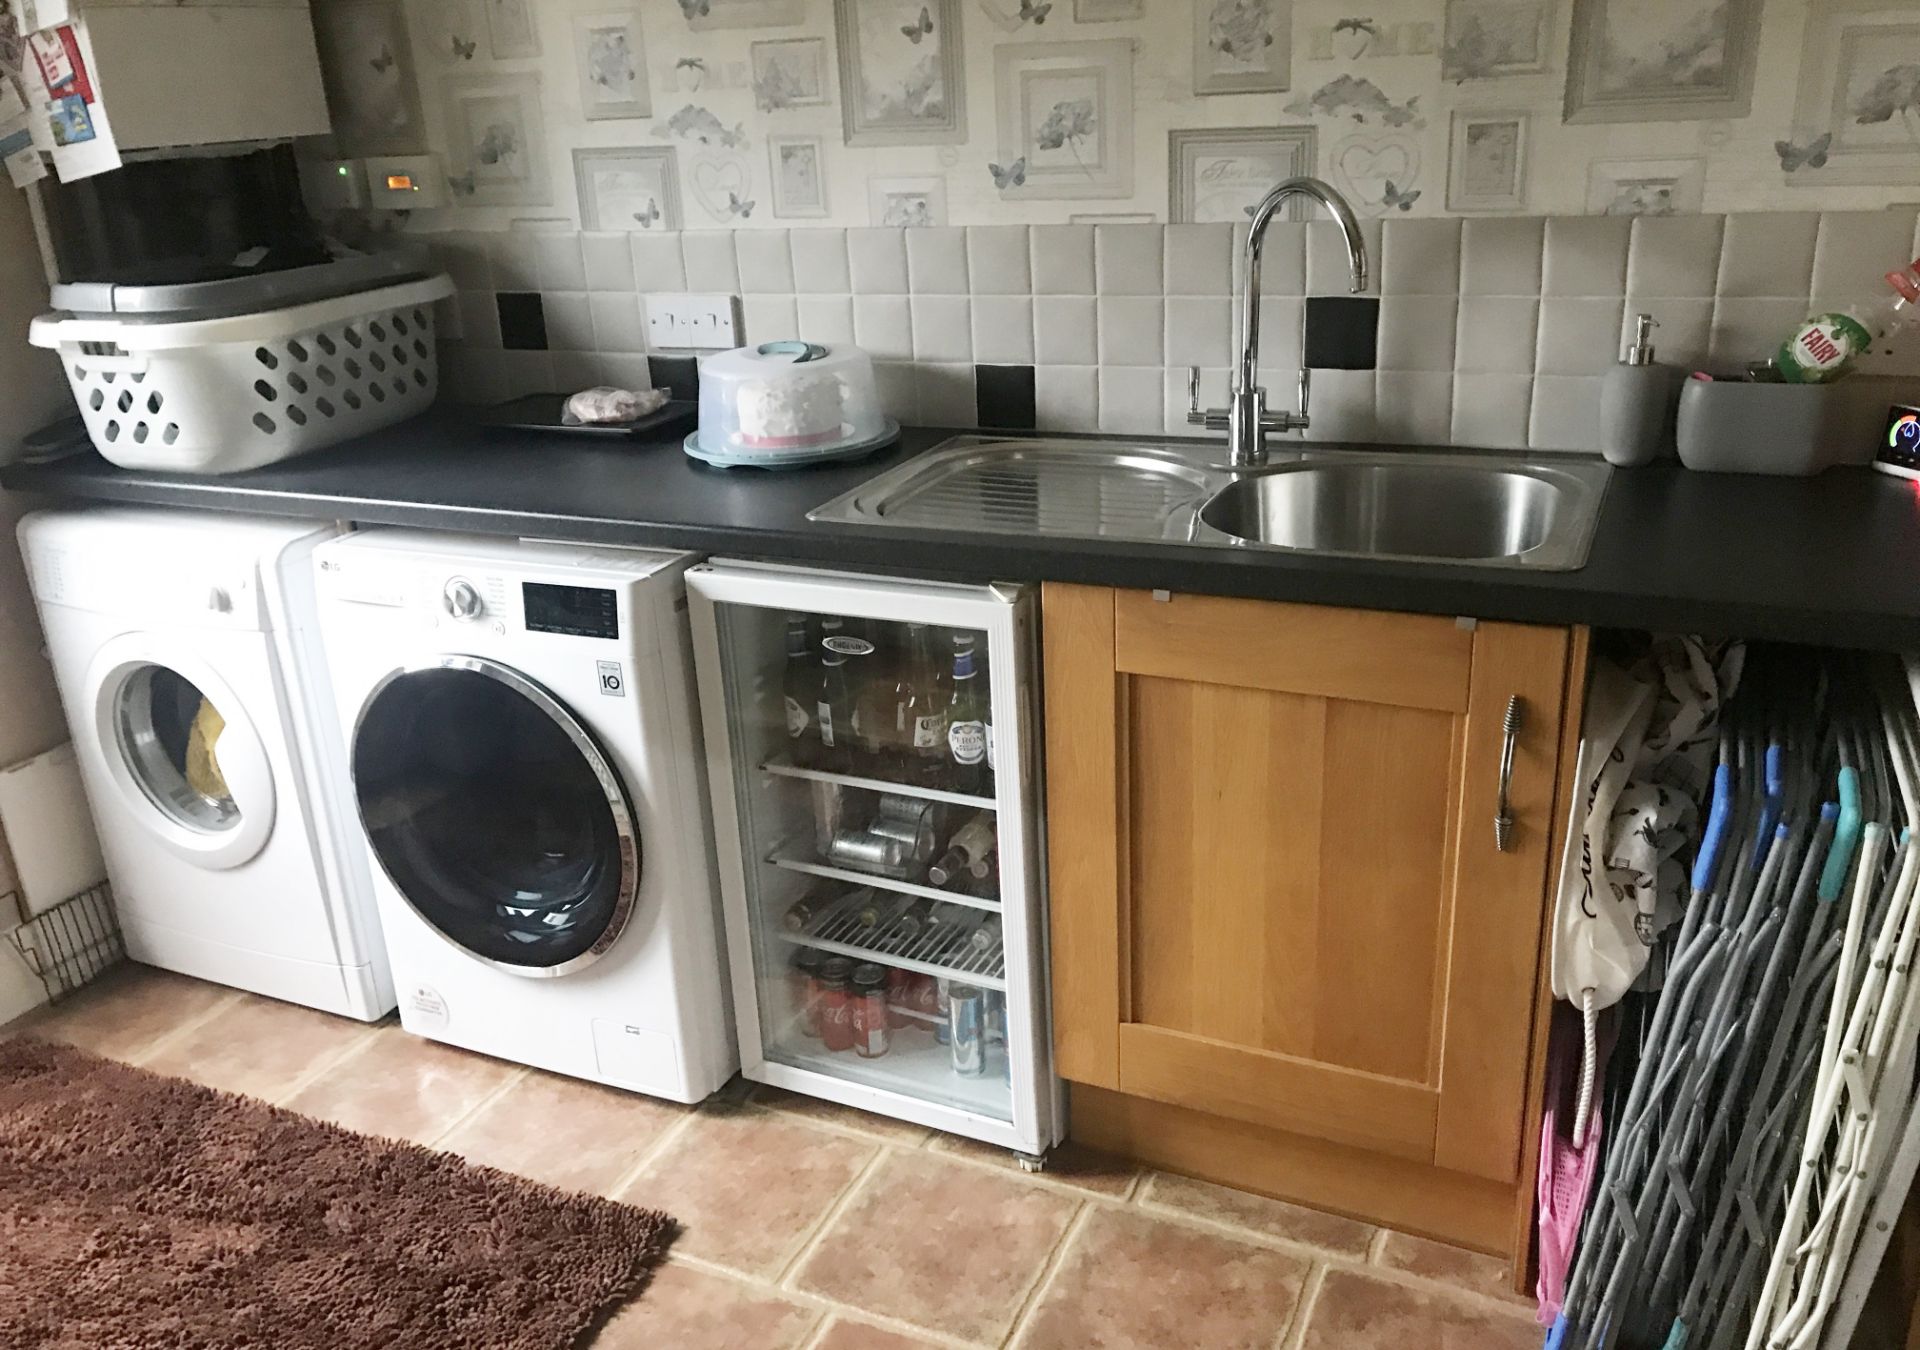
x: 367, y: 61
x: 900, y: 71
x: 1624, y: 106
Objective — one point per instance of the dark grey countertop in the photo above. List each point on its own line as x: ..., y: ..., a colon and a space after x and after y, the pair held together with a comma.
x: 1831, y: 559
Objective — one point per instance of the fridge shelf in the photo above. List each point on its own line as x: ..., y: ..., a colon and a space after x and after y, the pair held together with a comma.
x: 917, y: 1066
x: 784, y: 769
x: 935, y: 952
x: 782, y: 857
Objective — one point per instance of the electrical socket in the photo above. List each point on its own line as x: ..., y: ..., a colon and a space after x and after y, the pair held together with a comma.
x: 701, y: 322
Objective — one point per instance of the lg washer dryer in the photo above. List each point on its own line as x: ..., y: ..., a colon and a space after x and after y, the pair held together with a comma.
x: 525, y: 761
x: 187, y: 655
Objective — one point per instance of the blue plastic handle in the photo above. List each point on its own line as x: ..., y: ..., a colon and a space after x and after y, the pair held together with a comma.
x: 1677, y: 1337
x: 1773, y: 795
x: 1715, y: 836
x: 1556, y: 1334
x: 1846, y: 837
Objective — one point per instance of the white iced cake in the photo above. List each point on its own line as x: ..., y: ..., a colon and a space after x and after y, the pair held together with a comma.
x: 795, y: 410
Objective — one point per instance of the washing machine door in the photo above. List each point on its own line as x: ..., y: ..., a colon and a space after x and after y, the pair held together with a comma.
x: 181, y: 747
x: 496, y: 815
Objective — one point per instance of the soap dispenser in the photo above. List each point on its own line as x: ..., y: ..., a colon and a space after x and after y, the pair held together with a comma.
x: 1634, y: 401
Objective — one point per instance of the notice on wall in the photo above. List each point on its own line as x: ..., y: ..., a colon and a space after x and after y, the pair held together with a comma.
x: 18, y: 150
x: 24, y: 162
x: 72, y: 117
x: 38, y: 14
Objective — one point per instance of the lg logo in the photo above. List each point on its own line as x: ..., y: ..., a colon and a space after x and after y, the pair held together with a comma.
x: 612, y: 682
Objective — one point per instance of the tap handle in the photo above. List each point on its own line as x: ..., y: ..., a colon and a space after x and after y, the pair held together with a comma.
x: 1213, y: 419
x: 1306, y: 381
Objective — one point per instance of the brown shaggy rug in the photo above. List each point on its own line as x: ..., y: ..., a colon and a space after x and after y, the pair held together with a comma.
x: 141, y: 1211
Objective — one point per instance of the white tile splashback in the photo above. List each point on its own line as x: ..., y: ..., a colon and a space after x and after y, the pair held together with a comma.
x: 1494, y: 331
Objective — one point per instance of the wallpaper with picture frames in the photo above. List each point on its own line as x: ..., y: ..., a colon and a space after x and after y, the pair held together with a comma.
x: 702, y: 114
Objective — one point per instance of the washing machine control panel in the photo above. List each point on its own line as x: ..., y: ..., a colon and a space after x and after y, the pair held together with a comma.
x: 575, y: 611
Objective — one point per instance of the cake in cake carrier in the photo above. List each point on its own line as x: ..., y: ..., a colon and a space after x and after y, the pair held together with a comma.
x: 788, y: 403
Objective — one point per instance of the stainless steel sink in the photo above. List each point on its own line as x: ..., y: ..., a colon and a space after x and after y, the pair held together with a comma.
x: 1074, y: 489
x: 1407, y: 505
x: 1468, y: 511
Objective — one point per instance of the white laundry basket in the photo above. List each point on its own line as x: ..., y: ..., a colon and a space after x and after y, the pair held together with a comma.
x: 223, y: 394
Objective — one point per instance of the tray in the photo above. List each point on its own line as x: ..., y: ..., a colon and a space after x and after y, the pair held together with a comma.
x: 542, y: 412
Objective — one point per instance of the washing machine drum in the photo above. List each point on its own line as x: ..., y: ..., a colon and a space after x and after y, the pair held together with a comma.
x: 496, y: 815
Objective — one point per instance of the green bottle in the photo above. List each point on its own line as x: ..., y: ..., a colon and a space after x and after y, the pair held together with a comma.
x: 1826, y: 346
x: 966, y: 722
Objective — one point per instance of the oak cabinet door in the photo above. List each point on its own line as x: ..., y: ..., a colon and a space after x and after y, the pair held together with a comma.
x: 1275, y: 885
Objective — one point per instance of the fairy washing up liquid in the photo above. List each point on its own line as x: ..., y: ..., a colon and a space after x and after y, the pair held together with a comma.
x: 1826, y: 345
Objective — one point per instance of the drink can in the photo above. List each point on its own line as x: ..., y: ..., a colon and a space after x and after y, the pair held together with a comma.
x: 864, y: 850
x: 926, y: 1001
x: 807, y: 989
x: 995, y: 1011
x: 996, y: 1019
x: 872, y: 1034
x: 902, y: 807
x: 942, y: 1009
x: 836, y: 1004
x: 914, y: 834
x: 902, y: 990
x: 967, y: 1031
x: 830, y: 813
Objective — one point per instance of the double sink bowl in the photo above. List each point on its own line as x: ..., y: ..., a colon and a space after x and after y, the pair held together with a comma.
x: 1405, y: 506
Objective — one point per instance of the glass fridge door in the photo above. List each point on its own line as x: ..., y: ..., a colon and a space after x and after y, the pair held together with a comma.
x: 867, y: 759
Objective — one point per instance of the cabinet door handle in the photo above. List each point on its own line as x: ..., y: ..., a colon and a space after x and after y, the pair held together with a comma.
x: 1503, y: 814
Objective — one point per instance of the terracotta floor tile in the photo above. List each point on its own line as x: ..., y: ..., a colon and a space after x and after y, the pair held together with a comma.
x: 1274, y: 1218
x: 939, y: 1244
x: 844, y: 1117
x: 686, y: 1309
x: 749, y: 1186
x: 928, y: 1240
x: 1129, y: 1279
x: 1453, y: 1266
x: 566, y: 1132
x: 402, y: 1086
x: 845, y: 1335
x: 1069, y: 1164
x: 258, y: 1046
x: 1358, y: 1312
x: 126, y: 1011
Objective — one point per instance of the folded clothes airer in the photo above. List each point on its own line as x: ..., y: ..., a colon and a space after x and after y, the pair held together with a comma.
x: 1698, y: 1172
x: 1768, y: 1086
x: 1863, y: 1103
x: 1645, y: 763
x: 1611, y: 1249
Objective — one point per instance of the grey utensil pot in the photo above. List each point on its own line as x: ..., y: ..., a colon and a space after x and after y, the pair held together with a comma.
x: 1735, y: 426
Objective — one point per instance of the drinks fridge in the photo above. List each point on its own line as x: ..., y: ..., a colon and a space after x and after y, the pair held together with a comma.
x: 870, y: 748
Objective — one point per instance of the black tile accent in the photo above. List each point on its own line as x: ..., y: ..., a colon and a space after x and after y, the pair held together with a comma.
x: 523, y: 321
x: 1343, y: 332
x: 1003, y: 397
x: 678, y: 375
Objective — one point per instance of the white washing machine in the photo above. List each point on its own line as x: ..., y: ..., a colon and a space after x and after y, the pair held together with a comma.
x: 526, y: 764
x: 188, y: 657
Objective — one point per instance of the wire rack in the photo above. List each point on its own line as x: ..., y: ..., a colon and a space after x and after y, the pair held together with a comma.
x: 939, y: 950
x: 71, y: 944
